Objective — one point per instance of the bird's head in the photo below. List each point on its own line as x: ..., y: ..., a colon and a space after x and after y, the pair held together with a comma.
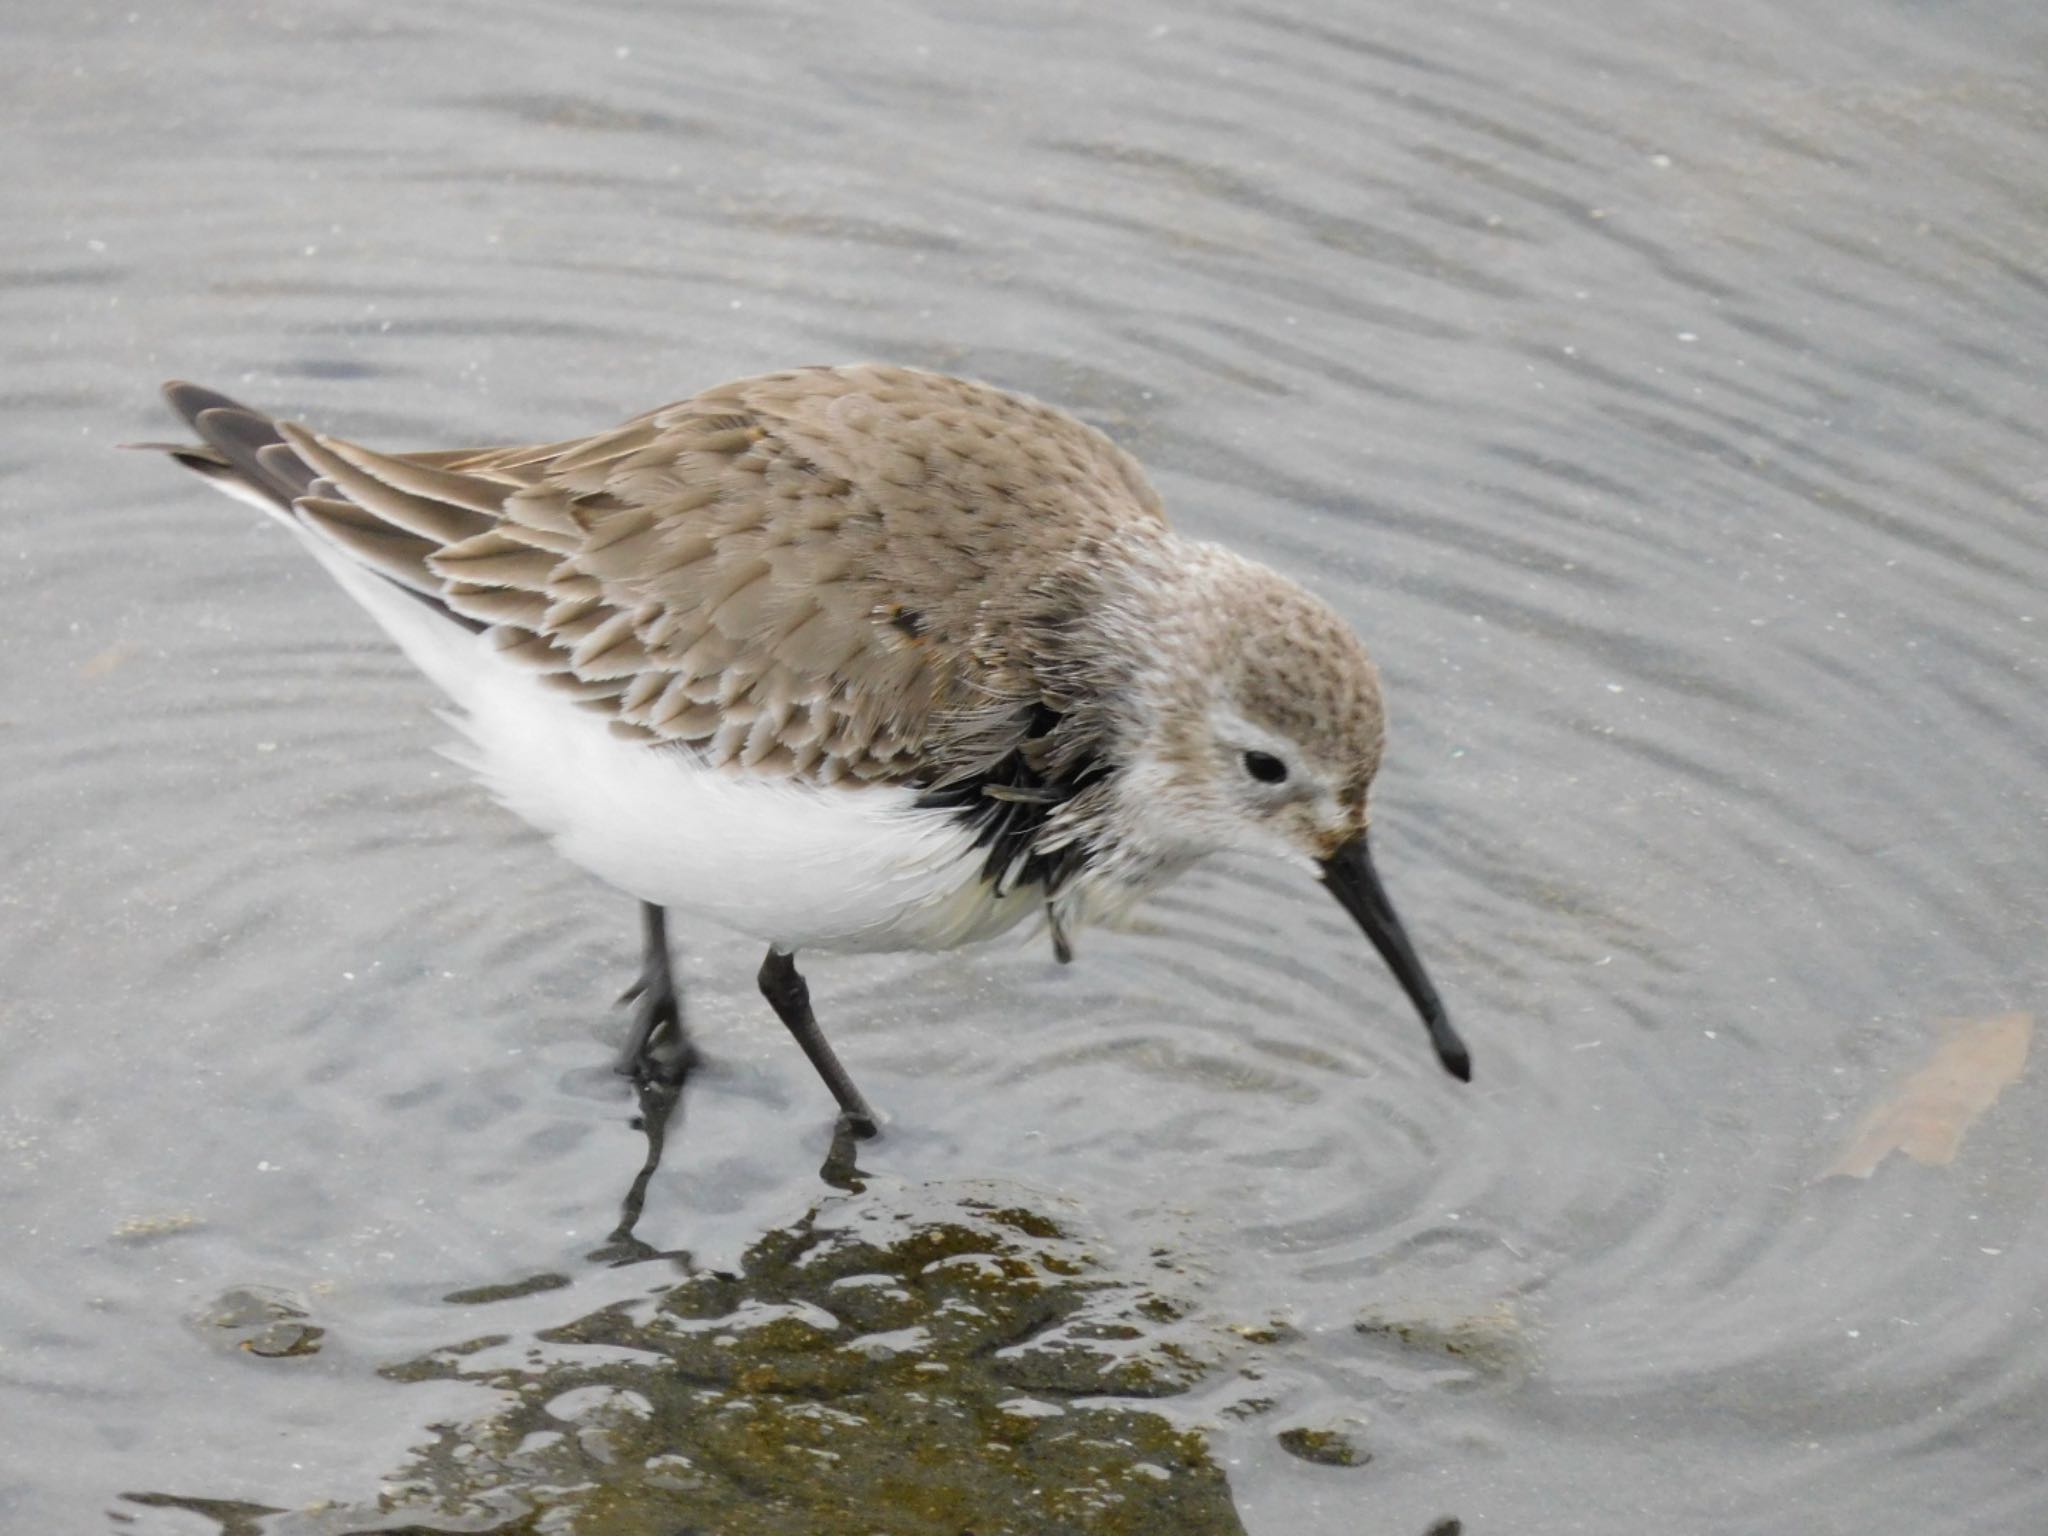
x: 1259, y: 729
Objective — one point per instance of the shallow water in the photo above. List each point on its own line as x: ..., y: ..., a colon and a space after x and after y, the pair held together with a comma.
x: 1662, y: 399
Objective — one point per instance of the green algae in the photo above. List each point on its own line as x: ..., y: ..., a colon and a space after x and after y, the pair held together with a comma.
x: 898, y: 1363
x: 945, y: 1361
x: 484, y: 1295
x: 1324, y: 1447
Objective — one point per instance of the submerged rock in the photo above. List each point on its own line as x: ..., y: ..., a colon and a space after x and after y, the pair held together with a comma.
x: 260, y: 1320
x: 1487, y: 1345
x: 1324, y: 1447
x: 891, y: 1362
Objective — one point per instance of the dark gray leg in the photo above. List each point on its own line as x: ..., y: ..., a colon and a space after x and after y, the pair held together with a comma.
x: 791, y: 999
x: 659, y: 1050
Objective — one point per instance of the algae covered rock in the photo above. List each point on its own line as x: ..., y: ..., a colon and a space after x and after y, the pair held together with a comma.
x: 1325, y: 1447
x: 260, y: 1320
x: 920, y: 1362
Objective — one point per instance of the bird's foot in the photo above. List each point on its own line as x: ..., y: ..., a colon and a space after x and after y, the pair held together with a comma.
x: 841, y: 1168
x: 659, y: 1052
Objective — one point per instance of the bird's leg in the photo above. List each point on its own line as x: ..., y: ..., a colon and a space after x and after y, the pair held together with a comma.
x: 659, y: 1051
x: 791, y: 999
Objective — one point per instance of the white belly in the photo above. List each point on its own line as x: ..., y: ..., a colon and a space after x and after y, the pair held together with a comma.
x: 796, y: 865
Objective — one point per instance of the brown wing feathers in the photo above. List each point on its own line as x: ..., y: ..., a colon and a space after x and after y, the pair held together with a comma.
x: 771, y: 572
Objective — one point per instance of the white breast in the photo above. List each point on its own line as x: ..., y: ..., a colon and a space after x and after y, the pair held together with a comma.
x: 797, y: 865
x: 794, y: 865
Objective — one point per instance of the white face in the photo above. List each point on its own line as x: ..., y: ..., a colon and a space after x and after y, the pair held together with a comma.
x: 1285, y: 802
x: 1234, y: 785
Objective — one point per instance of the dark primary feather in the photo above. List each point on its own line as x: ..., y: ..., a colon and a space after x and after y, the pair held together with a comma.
x: 239, y: 435
x: 247, y: 447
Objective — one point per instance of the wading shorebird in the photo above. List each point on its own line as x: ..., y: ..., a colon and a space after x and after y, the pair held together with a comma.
x: 858, y: 658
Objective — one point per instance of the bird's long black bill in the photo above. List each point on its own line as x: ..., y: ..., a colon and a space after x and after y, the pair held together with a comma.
x: 1352, y: 880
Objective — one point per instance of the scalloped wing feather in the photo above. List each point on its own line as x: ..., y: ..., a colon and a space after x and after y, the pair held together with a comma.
x: 838, y: 574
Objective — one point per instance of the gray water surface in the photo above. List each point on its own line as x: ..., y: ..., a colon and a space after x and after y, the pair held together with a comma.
x: 1660, y: 392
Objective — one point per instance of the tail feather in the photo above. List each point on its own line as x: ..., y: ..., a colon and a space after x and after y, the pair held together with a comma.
x: 284, y: 467
x: 238, y: 436
x: 251, y: 457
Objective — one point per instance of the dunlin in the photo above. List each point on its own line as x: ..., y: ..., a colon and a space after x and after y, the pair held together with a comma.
x: 856, y: 658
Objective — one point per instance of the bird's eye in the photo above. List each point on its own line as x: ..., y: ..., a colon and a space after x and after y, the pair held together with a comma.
x: 1265, y: 767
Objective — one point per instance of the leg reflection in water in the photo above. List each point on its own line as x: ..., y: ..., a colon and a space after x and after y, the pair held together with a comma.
x: 661, y: 1102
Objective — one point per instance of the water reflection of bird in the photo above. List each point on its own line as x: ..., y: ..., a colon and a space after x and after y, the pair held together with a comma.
x: 848, y: 659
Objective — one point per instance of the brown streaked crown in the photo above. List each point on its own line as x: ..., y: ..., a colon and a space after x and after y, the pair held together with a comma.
x: 1296, y: 668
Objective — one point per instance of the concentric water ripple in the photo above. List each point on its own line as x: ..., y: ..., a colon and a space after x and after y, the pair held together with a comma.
x: 1660, y: 395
